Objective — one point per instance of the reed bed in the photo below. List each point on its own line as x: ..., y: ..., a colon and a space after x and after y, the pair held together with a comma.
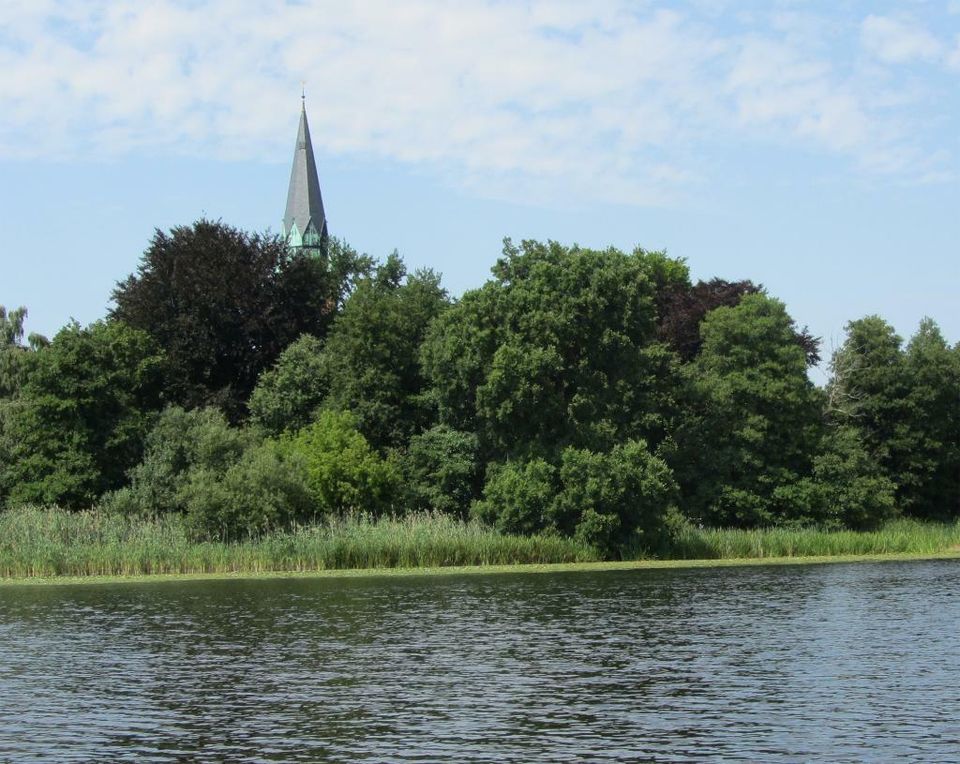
x: 43, y: 542
x: 37, y: 542
x: 897, y: 537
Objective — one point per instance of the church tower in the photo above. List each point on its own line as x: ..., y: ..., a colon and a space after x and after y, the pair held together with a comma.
x: 304, y: 223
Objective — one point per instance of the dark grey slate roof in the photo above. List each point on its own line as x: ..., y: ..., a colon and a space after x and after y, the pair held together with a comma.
x: 304, y: 203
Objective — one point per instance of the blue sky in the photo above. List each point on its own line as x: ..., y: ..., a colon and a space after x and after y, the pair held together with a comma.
x: 813, y: 147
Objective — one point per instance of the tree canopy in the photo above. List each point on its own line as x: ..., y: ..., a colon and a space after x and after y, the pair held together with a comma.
x: 223, y: 304
x: 558, y: 348
x: 595, y: 394
x: 78, y: 422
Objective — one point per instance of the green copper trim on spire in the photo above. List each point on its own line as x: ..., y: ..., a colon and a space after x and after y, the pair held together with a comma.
x: 304, y: 222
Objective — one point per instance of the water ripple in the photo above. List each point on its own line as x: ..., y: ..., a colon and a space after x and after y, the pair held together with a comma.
x: 843, y: 663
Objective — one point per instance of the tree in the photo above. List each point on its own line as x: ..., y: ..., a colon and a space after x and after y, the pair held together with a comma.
x: 223, y: 304
x: 682, y: 308
x: 287, y: 394
x: 14, y: 358
x: 905, y: 406
x: 929, y: 476
x: 79, y: 420
x: 441, y: 471
x: 752, y: 423
x: 372, y: 353
x: 558, y: 349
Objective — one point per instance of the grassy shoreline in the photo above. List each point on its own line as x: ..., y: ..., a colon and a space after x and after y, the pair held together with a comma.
x: 50, y: 545
x: 468, y: 570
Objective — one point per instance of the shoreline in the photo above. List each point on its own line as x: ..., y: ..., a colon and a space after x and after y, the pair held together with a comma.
x: 469, y: 570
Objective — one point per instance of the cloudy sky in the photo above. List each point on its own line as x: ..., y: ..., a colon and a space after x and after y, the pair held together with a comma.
x: 814, y: 147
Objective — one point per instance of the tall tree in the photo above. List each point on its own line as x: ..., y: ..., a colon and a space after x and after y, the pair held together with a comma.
x: 223, y: 304
x: 753, y: 423
x: 78, y: 422
x: 905, y: 405
x: 930, y: 477
x: 558, y: 349
x: 372, y: 353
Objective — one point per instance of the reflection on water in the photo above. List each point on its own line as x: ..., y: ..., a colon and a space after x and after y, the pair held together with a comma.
x: 840, y: 662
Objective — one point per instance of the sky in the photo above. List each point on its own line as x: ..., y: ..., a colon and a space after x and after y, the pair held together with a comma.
x: 812, y: 147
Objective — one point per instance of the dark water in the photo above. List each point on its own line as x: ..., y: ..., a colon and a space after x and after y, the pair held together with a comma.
x: 840, y: 663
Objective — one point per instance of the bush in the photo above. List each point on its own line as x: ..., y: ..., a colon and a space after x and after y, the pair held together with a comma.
x: 608, y: 500
x: 848, y: 488
x: 617, y: 498
x: 179, y: 442
x: 517, y: 496
x: 343, y: 472
x: 441, y: 471
x: 266, y: 490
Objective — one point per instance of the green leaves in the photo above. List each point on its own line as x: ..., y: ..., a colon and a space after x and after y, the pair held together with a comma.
x: 905, y: 407
x: 753, y: 417
x: 608, y: 500
x: 343, y: 472
x: 79, y: 420
x: 558, y: 349
x: 223, y: 304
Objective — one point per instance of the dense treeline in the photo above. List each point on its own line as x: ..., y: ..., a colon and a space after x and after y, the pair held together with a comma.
x: 599, y: 395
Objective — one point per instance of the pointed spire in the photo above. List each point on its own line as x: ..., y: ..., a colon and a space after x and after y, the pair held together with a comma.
x: 304, y: 222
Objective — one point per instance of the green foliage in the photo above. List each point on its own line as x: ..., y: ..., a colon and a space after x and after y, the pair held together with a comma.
x: 223, y: 304
x: 343, y: 472
x: 929, y: 476
x: 287, y: 395
x: 266, y: 490
x: 850, y: 488
x: 79, y: 419
x: 557, y: 349
x: 372, y: 353
x: 906, y: 409
x: 607, y: 500
x: 614, y: 499
x: 517, y: 496
x: 179, y: 442
x: 14, y: 357
x: 51, y: 542
x: 682, y: 306
x: 752, y: 424
x: 441, y: 471
x: 897, y: 537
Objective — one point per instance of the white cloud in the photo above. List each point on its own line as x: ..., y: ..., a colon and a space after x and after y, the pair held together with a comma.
x: 896, y: 41
x: 539, y: 99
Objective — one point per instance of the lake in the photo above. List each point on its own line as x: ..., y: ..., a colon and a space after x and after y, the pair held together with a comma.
x: 852, y: 662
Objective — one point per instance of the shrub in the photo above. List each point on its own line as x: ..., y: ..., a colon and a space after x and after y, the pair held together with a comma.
x: 517, y: 496
x: 287, y: 394
x: 266, y: 490
x: 608, y: 500
x: 441, y: 471
x: 614, y: 498
x: 179, y: 442
x: 343, y: 472
x: 848, y: 488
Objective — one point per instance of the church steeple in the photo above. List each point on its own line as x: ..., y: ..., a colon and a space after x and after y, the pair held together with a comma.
x: 304, y: 223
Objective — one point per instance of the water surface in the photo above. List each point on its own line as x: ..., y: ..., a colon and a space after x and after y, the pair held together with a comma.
x: 855, y: 662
